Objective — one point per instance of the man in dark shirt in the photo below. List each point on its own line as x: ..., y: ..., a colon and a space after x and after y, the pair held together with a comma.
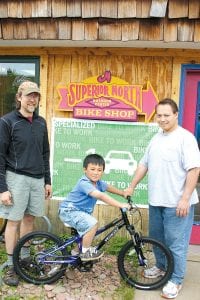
x: 24, y: 170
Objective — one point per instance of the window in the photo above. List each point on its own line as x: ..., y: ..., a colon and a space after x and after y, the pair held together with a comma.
x: 13, y: 71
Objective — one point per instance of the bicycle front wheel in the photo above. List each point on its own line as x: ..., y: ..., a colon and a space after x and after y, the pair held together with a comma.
x: 41, y: 263
x: 131, y: 267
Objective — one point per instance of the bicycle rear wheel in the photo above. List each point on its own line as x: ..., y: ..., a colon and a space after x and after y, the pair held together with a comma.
x: 3, y: 223
x: 42, y: 266
x: 131, y: 268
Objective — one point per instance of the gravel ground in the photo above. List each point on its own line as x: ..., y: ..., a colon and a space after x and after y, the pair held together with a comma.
x: 103, y: 282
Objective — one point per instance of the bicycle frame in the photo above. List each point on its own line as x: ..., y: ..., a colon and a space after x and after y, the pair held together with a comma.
x: 50, y: 255
x: 117, y: 223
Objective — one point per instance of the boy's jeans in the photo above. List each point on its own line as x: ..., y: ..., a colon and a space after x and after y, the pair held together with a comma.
x: 174, y: 232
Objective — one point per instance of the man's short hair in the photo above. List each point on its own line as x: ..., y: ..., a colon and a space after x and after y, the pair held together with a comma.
x: 170, y: 102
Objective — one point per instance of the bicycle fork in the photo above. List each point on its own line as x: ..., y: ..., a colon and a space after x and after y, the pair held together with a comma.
x: 137, y: 243
x: 138, y: 248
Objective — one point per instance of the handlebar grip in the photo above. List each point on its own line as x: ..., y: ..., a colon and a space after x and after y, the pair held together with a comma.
x: 129, y: 198
x: 130, y: 202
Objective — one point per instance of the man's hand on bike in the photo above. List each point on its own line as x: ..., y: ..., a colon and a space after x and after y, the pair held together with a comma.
x: 128, y: 192
x: 6, y: 198
x: 127, y: 205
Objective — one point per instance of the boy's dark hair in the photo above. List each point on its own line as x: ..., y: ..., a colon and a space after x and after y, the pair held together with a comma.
x: 95, y: 159
x: 170, y: 102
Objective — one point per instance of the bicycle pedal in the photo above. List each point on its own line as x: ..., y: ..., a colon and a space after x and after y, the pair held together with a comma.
x: 96, y: 261
x: 85, y: 267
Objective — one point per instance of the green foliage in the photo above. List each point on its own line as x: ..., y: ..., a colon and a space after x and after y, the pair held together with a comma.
x: 3, y: 255
x: 64, y: 236
x: 115, y: 244
x: 124, y: 292
x: 12, y: 298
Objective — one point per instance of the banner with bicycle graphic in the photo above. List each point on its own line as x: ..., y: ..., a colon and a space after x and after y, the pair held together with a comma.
x: 121, y: 144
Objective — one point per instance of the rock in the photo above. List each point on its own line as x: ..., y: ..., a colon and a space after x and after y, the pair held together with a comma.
x: 70, y: 274
x: 98, y: 284
x: 61, y: 297
x: 76, y: 285
x: 50, y: 295
x: 59, y: 289
x: 48, y: 287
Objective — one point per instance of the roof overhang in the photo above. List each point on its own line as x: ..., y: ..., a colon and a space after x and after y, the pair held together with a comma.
x: 88, y: 44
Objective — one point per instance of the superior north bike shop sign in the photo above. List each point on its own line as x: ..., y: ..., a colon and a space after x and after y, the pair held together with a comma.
x: 121, y: 144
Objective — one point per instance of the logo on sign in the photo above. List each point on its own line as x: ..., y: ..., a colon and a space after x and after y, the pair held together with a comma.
x: 108, y: 98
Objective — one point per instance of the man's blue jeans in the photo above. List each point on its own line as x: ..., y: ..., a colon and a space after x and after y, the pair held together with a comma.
x: 174, y: 232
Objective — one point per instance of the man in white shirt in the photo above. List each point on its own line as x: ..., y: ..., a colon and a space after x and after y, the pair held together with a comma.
x: 172, y: 163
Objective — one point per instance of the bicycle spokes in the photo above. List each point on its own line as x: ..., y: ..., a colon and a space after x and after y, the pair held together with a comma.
x: 134, y: 259
x: 45, y: 261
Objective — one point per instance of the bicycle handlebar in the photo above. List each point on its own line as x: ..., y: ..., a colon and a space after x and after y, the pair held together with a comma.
x: 130, y: 201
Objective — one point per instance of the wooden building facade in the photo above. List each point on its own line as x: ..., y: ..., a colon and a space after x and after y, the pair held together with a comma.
x: 138, y: 41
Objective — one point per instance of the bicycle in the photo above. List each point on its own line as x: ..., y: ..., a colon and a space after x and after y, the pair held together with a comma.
x: 50, y: 256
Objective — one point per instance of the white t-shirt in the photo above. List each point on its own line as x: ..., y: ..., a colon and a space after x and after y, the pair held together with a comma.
x: 168, y: 157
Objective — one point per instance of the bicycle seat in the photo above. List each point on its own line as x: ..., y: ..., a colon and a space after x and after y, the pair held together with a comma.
x: 67, y: 225
x: 73, y: 230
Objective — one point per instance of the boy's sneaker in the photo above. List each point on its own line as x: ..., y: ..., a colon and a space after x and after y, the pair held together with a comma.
x: 10, y: 277
x: 171, y: 290
x: 91, y: 254
x: 153, y: 272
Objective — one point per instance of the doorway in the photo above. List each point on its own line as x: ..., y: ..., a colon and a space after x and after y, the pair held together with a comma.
x: 189, y: 112
x: 189, y: 98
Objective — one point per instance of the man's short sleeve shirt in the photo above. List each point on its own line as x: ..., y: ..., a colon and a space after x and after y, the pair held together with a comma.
x: 168, y: 158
